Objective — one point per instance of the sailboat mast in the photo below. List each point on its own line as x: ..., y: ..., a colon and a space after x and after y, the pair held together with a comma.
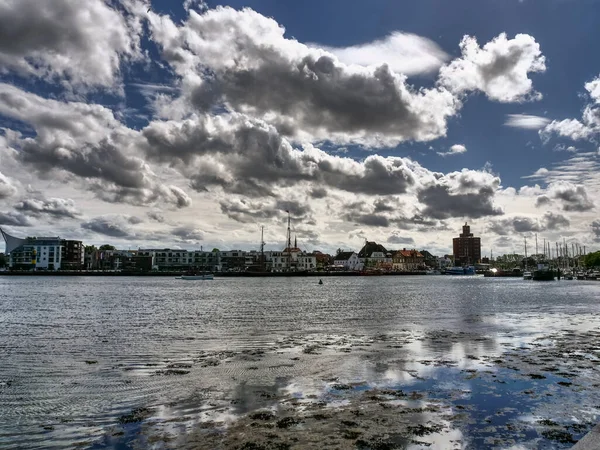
x: 536, y: 249
x: 525, y: 252
x: 289, y: 243
x: 262, y: 249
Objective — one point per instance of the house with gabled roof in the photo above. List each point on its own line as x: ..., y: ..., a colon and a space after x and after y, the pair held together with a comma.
x: 347, y: 261
x: 408, y: 261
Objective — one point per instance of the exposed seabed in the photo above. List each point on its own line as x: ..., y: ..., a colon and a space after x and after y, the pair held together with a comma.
x: 516, y: 389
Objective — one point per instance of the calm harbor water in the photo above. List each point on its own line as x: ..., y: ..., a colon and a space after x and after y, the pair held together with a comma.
x: 78, y: 355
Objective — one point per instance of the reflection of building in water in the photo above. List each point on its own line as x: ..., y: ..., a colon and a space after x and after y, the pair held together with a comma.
x: 467, y: 248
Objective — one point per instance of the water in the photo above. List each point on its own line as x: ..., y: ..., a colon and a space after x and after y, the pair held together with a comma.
x: 77, y: 354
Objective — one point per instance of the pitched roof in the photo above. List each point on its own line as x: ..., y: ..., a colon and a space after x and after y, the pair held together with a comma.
x: 369, y: 248
x: 343, y: 256
x: 410, y: 253
x: 427, y: 254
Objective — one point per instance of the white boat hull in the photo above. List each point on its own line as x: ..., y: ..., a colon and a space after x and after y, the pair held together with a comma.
x: 197, y: 277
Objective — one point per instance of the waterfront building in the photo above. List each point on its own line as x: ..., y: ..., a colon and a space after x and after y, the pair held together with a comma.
x: 43, y: 253
x: 183, y: 260
x: 466, y: 247
x: 233, y: 260
x: 374, y: 255
x: 118, y: 260
x: 347, y: 261
x: 407, y: 261
x: 293, y: 259
x: 323, y: 259
x: 445, y: 262
x: 429, y: 260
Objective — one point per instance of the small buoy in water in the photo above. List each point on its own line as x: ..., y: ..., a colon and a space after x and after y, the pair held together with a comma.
x: 320, y: 281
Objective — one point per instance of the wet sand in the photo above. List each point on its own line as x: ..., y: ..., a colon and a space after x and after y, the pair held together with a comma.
x: 445, y: 389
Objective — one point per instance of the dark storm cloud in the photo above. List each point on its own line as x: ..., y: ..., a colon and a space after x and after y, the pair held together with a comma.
x: 58, y: 208
x: 419, y: 222
x: 515, y: 224
x: 298, y: 88
x: 104, y: 161
x: 519, y: 224
x: 250, y: 158
x: 382, y: 205
x: 188, y: 234
x: 371, y: 220
x: 82, y: 42
x: 156, y: 216
x: 84, y: 141
x: 250, y: 211
x: 318, y: 192
x: 555, y: 221
x: 113, y: 226
x: 440, y: 203
x: 573, y: 198
x: 400, y: 240
x: 14, y: 219
x: 542, y: 200
x: 318, y: 93
x: 503, y: 242
x: 596, y: 230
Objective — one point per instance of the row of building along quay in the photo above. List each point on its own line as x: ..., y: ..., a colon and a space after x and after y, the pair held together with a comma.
x: 57, y: 254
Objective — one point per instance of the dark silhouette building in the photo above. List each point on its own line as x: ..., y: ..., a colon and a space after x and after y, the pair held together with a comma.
x: 467, y: 248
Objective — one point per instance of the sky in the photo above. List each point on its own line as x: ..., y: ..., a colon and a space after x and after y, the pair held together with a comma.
x: 166, y: 124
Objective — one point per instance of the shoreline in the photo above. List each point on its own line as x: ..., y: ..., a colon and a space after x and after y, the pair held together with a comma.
x: 217, y: 274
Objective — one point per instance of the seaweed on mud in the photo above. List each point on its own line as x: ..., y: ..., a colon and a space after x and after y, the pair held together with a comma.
x: 548, y: 422
x: 351, y: 434
x: 262, y: 415
x: 536, y: 376
x: 424, y: 430
x: 91, y: 361
x: 263, y: 446
x: 310, y: 350
x: 564, y: 383
x: 341, y: 387
x: 378, y: 443
x: 564, y: 437
x: 170, y: 372
x: 137, y: 415
x: 287, y: 422
x: 179, y: 366
x: 349, y: 423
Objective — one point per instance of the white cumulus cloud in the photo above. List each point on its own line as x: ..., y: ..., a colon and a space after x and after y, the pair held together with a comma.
x: 404, y: 53
x: 500, y: 69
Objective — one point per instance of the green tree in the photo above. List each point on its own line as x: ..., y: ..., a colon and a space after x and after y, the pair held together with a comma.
x: 90, y: 249
x: 215, y: 250
x: 107, y: 247
x: 592, y: 259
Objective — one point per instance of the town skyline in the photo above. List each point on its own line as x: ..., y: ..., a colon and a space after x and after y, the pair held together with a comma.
x: 143, y: 129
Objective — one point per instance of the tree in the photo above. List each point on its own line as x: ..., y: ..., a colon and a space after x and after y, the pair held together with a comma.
x: 592, y: 259
x: 215, y: 250
x: 2, y: 260
x: 107, y: 247
x: 89, y: 249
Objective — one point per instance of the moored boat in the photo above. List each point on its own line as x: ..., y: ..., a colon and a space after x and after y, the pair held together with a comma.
x: 527, y: 275
x: 543, y: 273
x: 468, y: 270
x: 206, y: 276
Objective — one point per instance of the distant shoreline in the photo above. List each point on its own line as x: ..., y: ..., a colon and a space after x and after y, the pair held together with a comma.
x: 217, y: 274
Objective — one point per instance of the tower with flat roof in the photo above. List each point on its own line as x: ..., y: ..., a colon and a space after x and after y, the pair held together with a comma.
x: 467, y: 248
